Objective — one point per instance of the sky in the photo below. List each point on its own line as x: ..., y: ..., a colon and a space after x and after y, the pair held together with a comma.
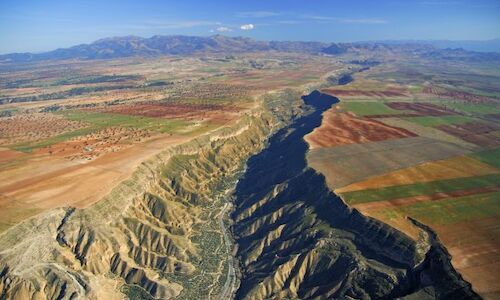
x: 36, y: 26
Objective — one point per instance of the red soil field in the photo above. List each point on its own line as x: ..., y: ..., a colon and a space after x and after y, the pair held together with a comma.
x: 477, y: 133
x: 345, y: 128
x: 7, y: 155
x: 424, y: 109
x: 391, y: 92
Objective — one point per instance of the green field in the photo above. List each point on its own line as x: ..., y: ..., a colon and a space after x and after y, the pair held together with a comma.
x: 491, y: 157
x: 97, y: 121
x: 438, y: 121
x: 451, y: 210
x: 369, y: 108
x: 424, y: 188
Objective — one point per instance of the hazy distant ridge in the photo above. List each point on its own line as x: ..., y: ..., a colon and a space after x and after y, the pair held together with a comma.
x: 128, y: 46
x: 173, y: 45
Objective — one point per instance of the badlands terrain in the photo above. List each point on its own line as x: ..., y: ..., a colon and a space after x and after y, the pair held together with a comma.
x: 217, y: 168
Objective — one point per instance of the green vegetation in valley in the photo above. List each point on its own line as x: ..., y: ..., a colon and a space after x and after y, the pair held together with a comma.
x: 134, y: 292
x: 442, y: 120
x: 451, y: 210
x: 369, y: 108
x: 491, y: 157
x: 424, y: 188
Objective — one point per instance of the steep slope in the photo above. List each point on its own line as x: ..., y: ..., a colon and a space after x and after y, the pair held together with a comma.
x: 296, y: 239
x: 156, y: 235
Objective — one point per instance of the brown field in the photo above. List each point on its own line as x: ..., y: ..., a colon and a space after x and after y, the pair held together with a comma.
x: 460, y: 166
x: 423, y: 109
x: 456, y: 95
x: 428, y: 132
x: 34, y: 127
x: 348, y: 164
x: 93, y: 145
x: 475, y: 248
x: 478, y: 133
x: 346, y: 128
x: 390, y: 92
x: 45, y: 182
x: 7, y: 155
x: 204, y: 112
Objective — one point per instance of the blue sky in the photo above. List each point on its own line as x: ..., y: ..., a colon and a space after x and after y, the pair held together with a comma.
x: 28, y: 25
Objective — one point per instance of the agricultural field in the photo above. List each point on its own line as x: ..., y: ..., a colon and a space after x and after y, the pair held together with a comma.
x: 429, y: 151
x: 98, y: 120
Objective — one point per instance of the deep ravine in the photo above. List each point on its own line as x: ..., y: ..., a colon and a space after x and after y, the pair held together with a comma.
x: 297, y: 239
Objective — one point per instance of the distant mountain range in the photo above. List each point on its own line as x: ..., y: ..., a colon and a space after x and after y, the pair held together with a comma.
x: 479, y: 46
x: 170, y: 45
x: 127, y: 46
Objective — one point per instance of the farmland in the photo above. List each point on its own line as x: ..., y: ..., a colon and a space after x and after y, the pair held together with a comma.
x: 443, y: 170
x: 98, y: 120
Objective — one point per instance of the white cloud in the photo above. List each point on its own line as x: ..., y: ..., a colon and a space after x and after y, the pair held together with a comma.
x: 247, y: 27
x: 223, y: 29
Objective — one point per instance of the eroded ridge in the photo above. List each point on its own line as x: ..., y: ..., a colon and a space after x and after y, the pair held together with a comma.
x: 297, y: 239
x: 157, y: 235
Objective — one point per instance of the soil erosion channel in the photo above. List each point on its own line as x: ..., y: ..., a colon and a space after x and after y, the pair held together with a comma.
x: 297, y: 239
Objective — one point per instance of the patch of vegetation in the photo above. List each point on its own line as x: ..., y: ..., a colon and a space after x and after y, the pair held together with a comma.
x: 157, y: 83
x: 453, y: 210
x: 491, y: 157
x: 369, y: 108
x: 134, y: 292
x: 8, y: 112
x: 95, y: 79
x: 441, y: 120
x: 424, y: 188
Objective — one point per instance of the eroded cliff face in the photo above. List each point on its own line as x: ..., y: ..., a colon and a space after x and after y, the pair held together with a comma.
x: 158, y: 234
x: 155, y: 236
x: 299, y: 240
